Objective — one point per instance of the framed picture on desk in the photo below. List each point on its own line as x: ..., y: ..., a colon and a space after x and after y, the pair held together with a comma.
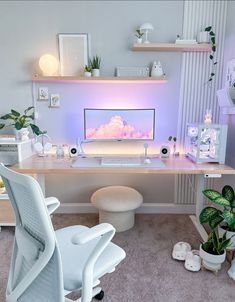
x: 73, y: 53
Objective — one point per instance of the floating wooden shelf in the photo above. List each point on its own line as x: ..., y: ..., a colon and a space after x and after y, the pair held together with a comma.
x: 172, y: 47
x: 99, y: 79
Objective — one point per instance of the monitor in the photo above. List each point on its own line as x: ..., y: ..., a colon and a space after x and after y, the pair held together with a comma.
x: 119, y: 124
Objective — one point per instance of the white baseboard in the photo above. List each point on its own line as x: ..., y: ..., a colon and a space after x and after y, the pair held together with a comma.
x: 150, y: 208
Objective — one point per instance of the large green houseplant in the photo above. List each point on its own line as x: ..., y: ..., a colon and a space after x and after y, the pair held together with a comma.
x: 223, y: 218
x: 20, y: 121
x: 215, y: 216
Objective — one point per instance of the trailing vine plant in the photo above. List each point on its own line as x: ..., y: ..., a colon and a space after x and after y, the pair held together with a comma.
x: 212, y: 53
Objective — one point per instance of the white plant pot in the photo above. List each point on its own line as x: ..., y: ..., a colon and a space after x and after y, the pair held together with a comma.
x: 95, y: 72
x: 139, y: 40
x: 229, y: 234
x: 203, y: 37
x: 211, y: 262
x: 87, y: 74
x: 22, y: 134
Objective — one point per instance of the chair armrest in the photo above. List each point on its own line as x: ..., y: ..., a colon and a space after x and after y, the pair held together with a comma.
x: 93, y: 233
x: 52, y: 204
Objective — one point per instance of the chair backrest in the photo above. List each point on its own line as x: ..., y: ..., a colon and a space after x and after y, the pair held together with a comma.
x: 36, y: 271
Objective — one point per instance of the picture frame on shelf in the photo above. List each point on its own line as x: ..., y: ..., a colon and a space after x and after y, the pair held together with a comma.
x: 74, y: 53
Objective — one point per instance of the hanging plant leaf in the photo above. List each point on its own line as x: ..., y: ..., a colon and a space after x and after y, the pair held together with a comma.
x: 211, y: 33
x: 212, y: 74
x: 213, y: 40
x: 211, y: 57
x: 215, y: 63
x: 213, y: 48
x: 210, y: 79
x: 2, y: 126
x: 208, y: 28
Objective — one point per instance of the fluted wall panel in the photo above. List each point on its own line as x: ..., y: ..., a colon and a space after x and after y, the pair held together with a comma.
x: 196, y: 93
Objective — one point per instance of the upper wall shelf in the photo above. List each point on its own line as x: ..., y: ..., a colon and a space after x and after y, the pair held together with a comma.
x: 172, y: 47
x: 99, y: 79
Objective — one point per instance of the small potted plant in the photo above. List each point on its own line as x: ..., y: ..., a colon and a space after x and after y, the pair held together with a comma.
x: 21, y: 122
x: 87, y: 72
x: 138, y: 35
x: 224, y: 219
x: 213, y: 251
x: 95, y: 65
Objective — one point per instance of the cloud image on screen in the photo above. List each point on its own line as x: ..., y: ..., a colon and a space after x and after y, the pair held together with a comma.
x: 102, y: 124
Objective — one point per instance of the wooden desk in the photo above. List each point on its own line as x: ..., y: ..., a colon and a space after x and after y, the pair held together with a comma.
x: 173, y: 165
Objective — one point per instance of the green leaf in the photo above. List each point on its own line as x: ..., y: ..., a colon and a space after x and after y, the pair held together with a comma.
x: 212, y: 74
x: 18, y: 125
x: 169, y: 138
x: 228, y: 193
x: 208, y: 28
x: 211, y: 33
x: 213, y: 40
x: 213, y: 48
x: 6, y: 117
x: 226, y: 243
x: 2, y: 126
x: 28, y: 109
x: 208, y: 214
x: 211, y: 194
x: 232, y: 204
x: 215, y: 221
x: 211, y: 57
x: 215, y: 63
x: 229, y: 217
x: 15, y: 113
x: 222, y: 201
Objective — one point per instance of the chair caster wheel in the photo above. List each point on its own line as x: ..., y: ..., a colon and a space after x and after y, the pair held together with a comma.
x: 100, y: 295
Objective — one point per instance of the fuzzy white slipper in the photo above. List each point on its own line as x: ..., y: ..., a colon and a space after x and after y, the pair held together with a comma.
x: 231, y: 271
x: 180, y: 250
x: 193, y: 261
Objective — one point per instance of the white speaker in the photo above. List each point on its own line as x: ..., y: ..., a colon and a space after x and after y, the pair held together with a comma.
x: 73, y: 151
x: 165, y: 151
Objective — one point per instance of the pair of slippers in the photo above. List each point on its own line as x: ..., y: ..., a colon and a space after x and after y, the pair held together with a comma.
x: 182, y: 251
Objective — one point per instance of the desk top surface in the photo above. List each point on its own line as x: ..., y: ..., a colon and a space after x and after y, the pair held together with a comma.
x: 173, y: 165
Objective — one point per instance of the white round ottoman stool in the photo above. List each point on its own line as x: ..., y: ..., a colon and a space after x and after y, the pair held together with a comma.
x: 116, y: 206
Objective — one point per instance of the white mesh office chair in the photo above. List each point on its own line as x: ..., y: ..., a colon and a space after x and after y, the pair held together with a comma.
x: 47, y: 265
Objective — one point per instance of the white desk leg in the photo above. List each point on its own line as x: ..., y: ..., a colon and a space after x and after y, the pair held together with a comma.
x: 41, y: 181
x: 199, y: 207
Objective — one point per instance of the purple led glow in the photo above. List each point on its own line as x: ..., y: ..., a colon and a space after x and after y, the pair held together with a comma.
x: 119, y: 124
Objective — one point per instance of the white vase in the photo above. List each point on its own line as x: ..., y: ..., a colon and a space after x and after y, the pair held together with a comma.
x: 139, y: 40
x: 95, y: 72
x: 156, y: 70
x: 210, y: 261
x: 229, y: 234
x: 203, y: 37
x: 87, y: 74
x: 22, y: 134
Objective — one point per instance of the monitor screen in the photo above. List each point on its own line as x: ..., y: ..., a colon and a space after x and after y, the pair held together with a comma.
x: 119, y: 124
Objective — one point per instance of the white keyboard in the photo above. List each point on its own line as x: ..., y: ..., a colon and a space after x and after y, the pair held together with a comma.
x: 121, y: 161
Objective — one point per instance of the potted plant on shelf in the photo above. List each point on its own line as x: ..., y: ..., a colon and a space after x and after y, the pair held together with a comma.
x: 21, y: 122
x: 87, y: 72
x: 139, y: 36
x: 223, y: 218
x: 213, y: 251
x: 95, y: 65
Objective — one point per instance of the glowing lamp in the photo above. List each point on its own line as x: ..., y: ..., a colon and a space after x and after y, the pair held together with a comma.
x: 48, y: 64
x: 145, y: 28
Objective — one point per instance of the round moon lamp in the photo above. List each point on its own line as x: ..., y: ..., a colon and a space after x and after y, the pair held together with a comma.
x: 48, y: 64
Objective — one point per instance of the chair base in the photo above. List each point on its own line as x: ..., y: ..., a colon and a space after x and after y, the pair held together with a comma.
x: 122, y: 221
